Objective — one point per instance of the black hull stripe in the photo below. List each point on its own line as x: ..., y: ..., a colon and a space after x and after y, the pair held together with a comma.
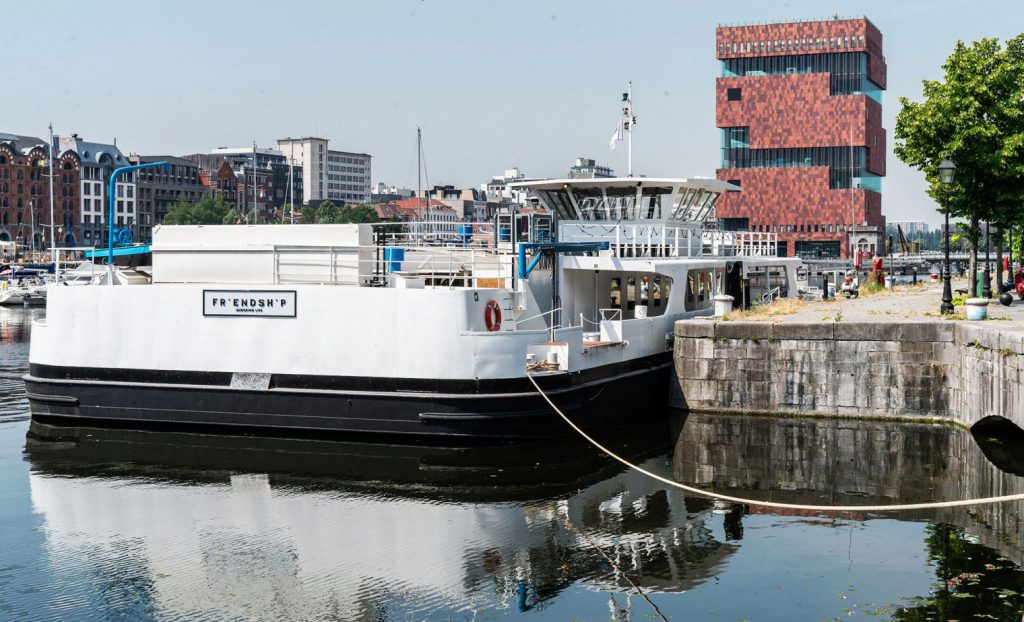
x: 362, y: 385
x: 396, y: 394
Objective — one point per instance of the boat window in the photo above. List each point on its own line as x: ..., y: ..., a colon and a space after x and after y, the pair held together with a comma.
x: 593, y: 208
x: 700, y: 207
x: 655, y: 202
x: 685, y: 199
x: 621, y: 203
x: 654, y: 293
x: 699, y: 290
x: 615, y: 299
x: 558, y: 201
x: 630, y: 295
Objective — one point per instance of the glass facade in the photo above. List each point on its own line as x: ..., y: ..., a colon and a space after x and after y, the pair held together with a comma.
x: 848, y: 71
x: 847, y: 167
x: 812, y: 249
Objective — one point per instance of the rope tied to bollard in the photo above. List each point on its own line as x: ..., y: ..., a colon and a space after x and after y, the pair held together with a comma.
x: 772, y: 504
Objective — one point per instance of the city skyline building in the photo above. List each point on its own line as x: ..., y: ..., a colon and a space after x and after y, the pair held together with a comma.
x: 338, y: 176
x: 911, y: 228
x: 274, y: 172
x: 158, y: 189
x: 96, y: 163
x: 799, y: 108
x: 588, y: 168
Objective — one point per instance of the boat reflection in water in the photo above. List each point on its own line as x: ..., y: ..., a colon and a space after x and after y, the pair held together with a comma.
x: 294, y: 529
x: 180, y: 526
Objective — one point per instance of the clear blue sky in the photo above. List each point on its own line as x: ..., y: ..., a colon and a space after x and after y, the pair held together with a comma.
x: 528, y: 83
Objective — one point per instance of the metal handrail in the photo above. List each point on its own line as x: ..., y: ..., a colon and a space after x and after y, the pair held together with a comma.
x: 771, y: 295
x: 539, y: 315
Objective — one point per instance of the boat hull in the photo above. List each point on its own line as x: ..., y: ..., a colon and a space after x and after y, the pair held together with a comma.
x: 498, y: 409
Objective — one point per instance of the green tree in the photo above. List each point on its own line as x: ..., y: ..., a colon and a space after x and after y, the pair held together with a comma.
x: 356, y: 214
x: 233, y: 217
x: 974, y: 117
x: 206, y: 211
x: 327, y: 213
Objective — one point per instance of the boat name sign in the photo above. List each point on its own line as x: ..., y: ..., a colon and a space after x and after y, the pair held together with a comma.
x: 248, y: 303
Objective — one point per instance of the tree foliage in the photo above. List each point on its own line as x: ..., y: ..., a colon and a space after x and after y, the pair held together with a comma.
x: 328, y: 213
x: 206, y: 211
x: 975, y: 117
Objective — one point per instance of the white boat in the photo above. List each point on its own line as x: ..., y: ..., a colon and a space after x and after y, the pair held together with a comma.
x: 12, y: 296
x: 330, y: 328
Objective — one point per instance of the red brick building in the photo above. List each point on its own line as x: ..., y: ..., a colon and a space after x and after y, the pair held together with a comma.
x: 799, y: 108
x: 25, y: 193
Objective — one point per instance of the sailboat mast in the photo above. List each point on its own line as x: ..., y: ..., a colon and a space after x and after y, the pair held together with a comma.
x: 291, y: 184
x: 254, y: 182
x: 419, y: 166
x: 53, y: 244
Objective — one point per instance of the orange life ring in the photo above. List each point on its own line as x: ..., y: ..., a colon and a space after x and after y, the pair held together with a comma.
x: 492, y: 316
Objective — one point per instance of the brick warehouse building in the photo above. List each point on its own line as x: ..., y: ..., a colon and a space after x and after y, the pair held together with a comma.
x: 790, y: 99
x: 25, y: 193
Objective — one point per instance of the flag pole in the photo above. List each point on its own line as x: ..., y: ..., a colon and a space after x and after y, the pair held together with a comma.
x: 629, y: 102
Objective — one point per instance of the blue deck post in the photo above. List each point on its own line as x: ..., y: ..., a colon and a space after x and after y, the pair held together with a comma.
x: 110, y: 221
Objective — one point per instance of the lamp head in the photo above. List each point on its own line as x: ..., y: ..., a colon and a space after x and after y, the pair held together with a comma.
x: 946, y: 171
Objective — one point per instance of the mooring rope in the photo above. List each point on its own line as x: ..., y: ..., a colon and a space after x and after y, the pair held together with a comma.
x: 591, y: 543
x: 773, y: 504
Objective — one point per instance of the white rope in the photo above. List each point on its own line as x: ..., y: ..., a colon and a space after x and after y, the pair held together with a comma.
x: 773, y: 504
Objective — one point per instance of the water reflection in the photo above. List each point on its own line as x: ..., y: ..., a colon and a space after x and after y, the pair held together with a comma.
x: 14, y: 334
x: 293, y: 528
x: 976, y: 552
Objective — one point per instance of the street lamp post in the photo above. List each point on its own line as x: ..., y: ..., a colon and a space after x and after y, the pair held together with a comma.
x: 986, y: 278
x: 946, y: 171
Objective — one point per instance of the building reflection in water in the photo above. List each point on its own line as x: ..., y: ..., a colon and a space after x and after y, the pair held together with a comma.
x: 977, y: 552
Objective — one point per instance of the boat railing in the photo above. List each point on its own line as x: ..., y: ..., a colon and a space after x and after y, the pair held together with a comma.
x: 553, y: 321
x: 740, y: 243
x: 66, y: 254
x: 372, y: 265
x: 659, y: 239
x: 433, y: 234
x: 610, y: 315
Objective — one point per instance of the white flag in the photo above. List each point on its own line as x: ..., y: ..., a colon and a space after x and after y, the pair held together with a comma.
x: 616, y: 135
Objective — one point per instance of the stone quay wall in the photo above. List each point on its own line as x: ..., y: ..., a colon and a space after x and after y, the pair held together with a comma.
x: 940, y: 369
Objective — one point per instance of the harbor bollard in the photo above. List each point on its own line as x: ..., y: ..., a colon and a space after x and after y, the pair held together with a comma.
x: 824, y: 287
x: 723, y: 304
x: 914, y: 274
x: 977, y: 308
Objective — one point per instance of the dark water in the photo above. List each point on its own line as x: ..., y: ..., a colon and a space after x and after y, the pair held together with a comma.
x: 149, y: 526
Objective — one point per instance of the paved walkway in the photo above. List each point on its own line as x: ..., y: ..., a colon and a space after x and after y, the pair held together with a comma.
x: 907, y: 303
